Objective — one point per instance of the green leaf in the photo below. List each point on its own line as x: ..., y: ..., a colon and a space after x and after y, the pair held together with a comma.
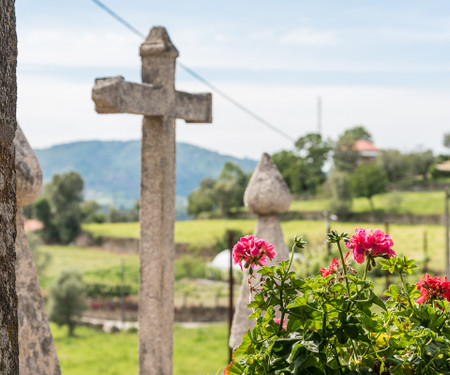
x: 351, y: 330
x: 377, y: 301
x: 341, y: 336
x: 246, y: 346
x: 235, y: 369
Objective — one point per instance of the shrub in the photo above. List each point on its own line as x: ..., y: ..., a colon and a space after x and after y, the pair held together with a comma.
x: 67, y: 299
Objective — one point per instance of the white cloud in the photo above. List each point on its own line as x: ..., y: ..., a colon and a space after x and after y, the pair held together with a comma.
x: 68, y: 48
x: 296, y: 36
x: 309, y: 37
x: 416, y: 36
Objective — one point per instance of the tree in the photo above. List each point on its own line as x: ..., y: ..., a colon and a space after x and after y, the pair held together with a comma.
x: 224, y: 194
x: 67, y: 299
x: 394, y: 164
x: 228, y: 192
x: 90, y: 212
x: 341, y: 197
x: 358, y: 132
x: 368, y: 180
x: 345, y: 157
x: 302, y: 168
x: 201, y: 199
x: 420, y: 163
x: 447, y: 140
x: 64, y: 196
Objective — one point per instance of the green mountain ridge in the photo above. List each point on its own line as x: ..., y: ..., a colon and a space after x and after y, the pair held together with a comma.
x: 111, y: 169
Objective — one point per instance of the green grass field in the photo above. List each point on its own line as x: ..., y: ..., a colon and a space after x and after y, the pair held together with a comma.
x: 201, y: 350
x: 408, y: 239
x: 419, y: 203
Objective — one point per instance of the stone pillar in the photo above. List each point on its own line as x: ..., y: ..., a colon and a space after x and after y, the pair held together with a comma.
x: 268, y: 196
x: 9, y: 346
x: 37, y: 353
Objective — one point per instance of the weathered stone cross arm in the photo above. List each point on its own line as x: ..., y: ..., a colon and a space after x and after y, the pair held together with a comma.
x: 115, y: 95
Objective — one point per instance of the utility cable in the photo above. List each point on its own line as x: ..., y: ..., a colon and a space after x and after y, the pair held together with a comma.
x: 200, y: 78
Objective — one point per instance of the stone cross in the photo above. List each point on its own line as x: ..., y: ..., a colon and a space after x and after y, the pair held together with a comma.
x: 159, y: 102
x: 37, y: 353
x: 268, y: 196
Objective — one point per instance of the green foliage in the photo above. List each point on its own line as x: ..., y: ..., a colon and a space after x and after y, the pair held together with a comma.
x: 116, y: 215
x: 394, y: 163
x: 302, y: 169
x: 67, y: 299
x: 90, y: 212
x: 341, y: 197
x: 59, y: 207
x: 446, y: 141
x: 345, y: 157
x: 420, y: 163
x: 367, y: 180
x: 358, y: 132
x: 337, y: 324
x: 202, y: 199
x: 225, y: 194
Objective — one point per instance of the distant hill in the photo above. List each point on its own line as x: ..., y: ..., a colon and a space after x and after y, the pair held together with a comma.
x: 111, y: 170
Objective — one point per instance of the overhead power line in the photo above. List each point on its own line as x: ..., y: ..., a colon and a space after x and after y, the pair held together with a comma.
x: 200, y: 78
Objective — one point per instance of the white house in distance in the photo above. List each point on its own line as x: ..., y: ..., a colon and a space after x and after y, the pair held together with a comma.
x: 367, y: 150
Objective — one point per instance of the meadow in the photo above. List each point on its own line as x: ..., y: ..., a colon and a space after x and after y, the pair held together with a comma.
x: 200, y: 350
x: 408, y: 239
x: 408, y: 202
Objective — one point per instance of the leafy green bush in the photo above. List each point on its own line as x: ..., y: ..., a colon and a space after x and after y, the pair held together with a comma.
x: 335, y: 324
x: 67, y: 299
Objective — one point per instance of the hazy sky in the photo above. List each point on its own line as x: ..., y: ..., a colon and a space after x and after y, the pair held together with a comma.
x: 384, y: 64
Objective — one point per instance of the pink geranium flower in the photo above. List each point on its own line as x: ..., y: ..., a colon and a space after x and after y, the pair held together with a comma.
x: 370, y: 243
x: 433, y: 288
x: 252, y: 252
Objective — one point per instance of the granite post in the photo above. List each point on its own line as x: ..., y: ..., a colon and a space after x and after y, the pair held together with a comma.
x: 37, y: 352
x: 9, y: 345
x: 159, y: 102
x: 268, y: 196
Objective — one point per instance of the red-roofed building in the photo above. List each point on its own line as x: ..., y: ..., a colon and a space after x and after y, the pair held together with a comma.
x: 367, y: 150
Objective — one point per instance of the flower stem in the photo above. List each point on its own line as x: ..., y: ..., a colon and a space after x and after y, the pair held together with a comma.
x: 344, y: 266
x: 369, y: 259
x: 406, y: 290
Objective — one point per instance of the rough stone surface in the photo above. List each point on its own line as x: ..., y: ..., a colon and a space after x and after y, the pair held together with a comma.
x: 159, y: 102
x: 28, y: 171
x: 267, y: 192
x: 268, y: 196
x: 37, y: 352
x: 9, y: 345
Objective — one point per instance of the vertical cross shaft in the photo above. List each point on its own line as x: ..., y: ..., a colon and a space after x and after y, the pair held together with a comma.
x: 160, y: 104
x: 157, y: 213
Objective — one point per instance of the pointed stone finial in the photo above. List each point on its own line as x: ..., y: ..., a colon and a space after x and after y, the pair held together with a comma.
x: 267, y: 193
x: 158, y: 43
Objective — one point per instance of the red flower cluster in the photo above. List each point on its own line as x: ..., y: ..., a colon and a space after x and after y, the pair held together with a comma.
x: 371, y: 243
x: 252, y: 252
x: 433, y: 288
x: 331, y: 269
x: 335, y: 263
